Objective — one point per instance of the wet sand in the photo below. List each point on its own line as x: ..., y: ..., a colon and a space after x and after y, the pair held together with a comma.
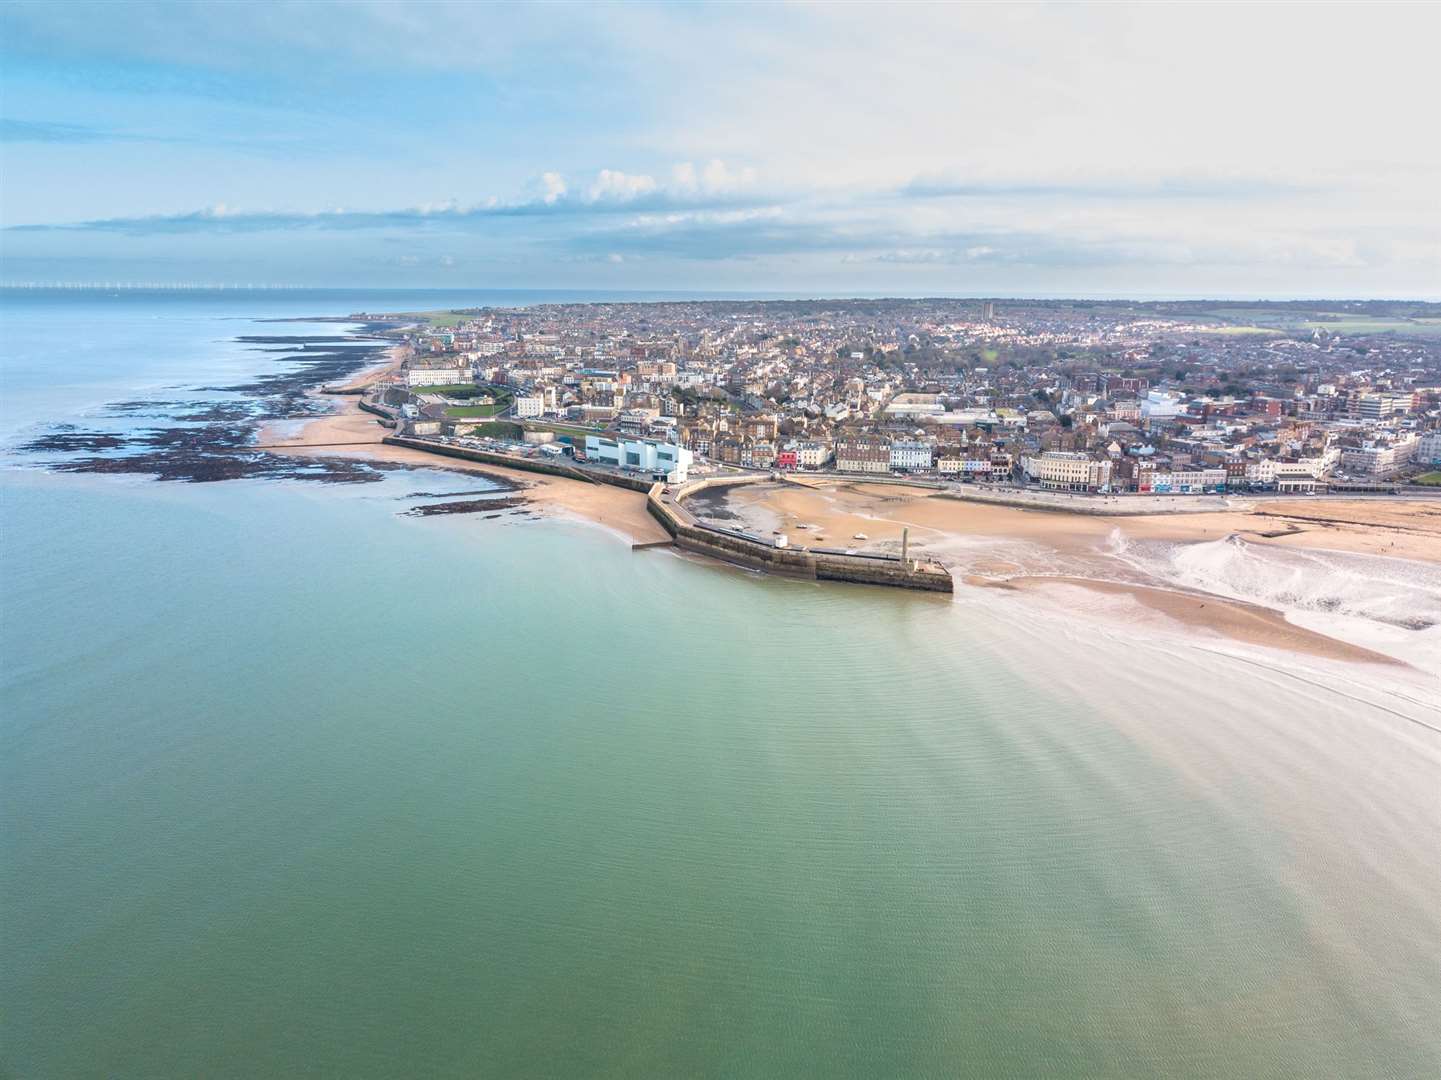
x: 1061, y: 554
x: 1403, y: 530
x: 1248, y: 623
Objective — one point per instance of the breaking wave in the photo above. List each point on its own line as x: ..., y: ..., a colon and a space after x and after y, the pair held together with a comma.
x: 1396, y: 592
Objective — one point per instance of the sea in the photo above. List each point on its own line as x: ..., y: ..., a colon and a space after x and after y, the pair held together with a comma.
x: 298, y: 782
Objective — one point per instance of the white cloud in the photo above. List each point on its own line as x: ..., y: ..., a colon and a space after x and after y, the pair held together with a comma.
x: 1261, y: 140
x: 714, y: 178
x: 717, y: 177
x: 552, y: 186
x: 684, y: 178
x: 613, y: 184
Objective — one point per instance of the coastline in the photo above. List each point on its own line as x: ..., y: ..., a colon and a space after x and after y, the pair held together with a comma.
x: 1207, y: 613
x: 1404, y: 530
x: 351, y: 432
x: 395, y: 356
x: 1084, y: 563
x: 483, y: 778
x: 980, y: 540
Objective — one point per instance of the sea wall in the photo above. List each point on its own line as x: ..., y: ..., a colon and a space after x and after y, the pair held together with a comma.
x: 525, y: 464
x: 1130, y: 505
x: 1127, y: 505
x: 728, y: 545
x: 755, y: 552
x: 387, y: 416
x: 799, y: 477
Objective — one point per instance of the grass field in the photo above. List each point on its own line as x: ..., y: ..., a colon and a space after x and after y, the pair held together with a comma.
x: 503, y: 400
x: 1261, y: 320
x: 461, y: 411
x: 1241, y: 331
x: 442, y: 318
x: 1361, y: 324
x: 1430, y: 479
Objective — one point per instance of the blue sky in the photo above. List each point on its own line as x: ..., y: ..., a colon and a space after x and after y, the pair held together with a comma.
x: 1226, y: 150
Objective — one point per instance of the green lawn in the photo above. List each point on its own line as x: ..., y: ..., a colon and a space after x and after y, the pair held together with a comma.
x: 1362, y: 324
x: 460, y: 411
x: 1430, y: 479
x: 503, y: 399
x: 1254, y: 320
x: 1239, y: 331
x: 443, y: 318
x: 447, y: 319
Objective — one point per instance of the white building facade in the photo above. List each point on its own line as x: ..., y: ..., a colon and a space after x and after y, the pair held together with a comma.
x: 1058, y: 470
x: 641, y: 455
x: 812, y: 455
x: 436, y: 376
x: 1428, y: 449
x: 1378, y: 460
x: 910, y: 455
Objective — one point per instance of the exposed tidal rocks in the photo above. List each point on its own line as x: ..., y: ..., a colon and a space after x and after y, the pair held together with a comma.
x: 203, y: 439
x: 68, y: 439
x: 501, y: 484
x: 467, y: 506
x: 711, y: 504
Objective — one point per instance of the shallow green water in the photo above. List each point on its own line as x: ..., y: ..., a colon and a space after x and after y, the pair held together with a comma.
x: 295, y: 786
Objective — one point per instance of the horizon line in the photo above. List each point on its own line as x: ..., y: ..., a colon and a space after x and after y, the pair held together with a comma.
x: 701, y: 293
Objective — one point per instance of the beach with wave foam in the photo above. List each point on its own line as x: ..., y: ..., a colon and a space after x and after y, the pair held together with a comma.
x: 1348, y: 579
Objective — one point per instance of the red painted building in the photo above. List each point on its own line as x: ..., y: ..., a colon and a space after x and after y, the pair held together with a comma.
x: 786, y: 459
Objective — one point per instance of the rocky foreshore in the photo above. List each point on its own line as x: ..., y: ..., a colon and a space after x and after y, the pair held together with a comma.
x: 206, y: 434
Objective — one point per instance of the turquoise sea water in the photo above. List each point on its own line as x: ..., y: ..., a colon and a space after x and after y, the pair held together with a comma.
x: 295, y: 785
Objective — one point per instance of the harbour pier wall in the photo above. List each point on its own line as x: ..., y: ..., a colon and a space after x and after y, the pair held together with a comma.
x: 728, y: 545
x: 745, y: 549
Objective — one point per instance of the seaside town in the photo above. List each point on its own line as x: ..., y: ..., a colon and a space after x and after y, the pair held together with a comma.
x: 1081, y: 397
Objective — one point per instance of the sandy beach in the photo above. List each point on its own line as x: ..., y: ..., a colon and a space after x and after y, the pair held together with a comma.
x: 839, y: 510
x: 1061, y: 556
x: 351, y: 432
x: 394, y: 357
x: 1070, y: 557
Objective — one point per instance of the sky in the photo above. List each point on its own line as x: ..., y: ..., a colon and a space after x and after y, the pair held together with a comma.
x: 1226, y: 150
